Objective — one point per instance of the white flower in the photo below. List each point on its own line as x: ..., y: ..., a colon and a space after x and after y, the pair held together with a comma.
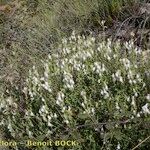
x: 138, y: 78
x: 99, y: 49
x: 106, y: 95
x: 128, y: 99
x: 43, y: 100
x: 55, y: 115
x: 138, y: 115
x: 144, y: 84
x: 44, y: 118
x: 35, y: 80
x: 60, y: 98
x: 93, y: 39
x: 102, y: 22
x: 42, y: 79
x: 103, y: 68
x: 98, y: 67
x: 102, y: 129
x: 133, y: 102
x: 49, y: 121
x: 30, y: 134
x: 117, y: 76
x: 130, y: 74
x: 50, y: 124
x: 32, y: 114
x: 46, y: 86
x: 58, y: 102
x: 134, y: 81
x: 10, y: 101
x: 33, y: 67
x: 114, y: 56
x: 64, y: 41
x: 10, y: 127
x: 102, y: 92
x: 118, y: 146
x: 49, y: 117
x: 145, y: 109
x: 138, y: 51
x: 92, y: 110
x: 148, y: 97
x: 135, y: 66
x: 113, y: 77
x: 66, y: 50
x: 83, y: 105
x: 43, y: 109
x: 46, y: 74
x: 68, y: 81
x: 130, y: 81
x: 77, y: 66
x: 118, y: 73
x: 66, y: 121
x: 25, y: 90
x: 126, y: 63
x: 83, y: 94
x: 107, y: 57
x: 121, y: 79
x: 63, y: 109
x: 136, y: 94
x: 49, y: 57
x: 117, y: 106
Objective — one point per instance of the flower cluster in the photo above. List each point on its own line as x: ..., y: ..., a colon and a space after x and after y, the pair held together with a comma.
x: 84, y: 82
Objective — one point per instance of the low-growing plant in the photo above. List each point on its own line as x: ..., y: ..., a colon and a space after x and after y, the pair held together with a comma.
x: 93, y: 91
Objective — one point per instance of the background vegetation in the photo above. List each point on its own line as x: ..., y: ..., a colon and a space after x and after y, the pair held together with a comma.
x: 32, y: 30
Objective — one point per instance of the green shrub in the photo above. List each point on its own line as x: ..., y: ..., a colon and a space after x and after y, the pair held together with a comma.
x: 90, y: 91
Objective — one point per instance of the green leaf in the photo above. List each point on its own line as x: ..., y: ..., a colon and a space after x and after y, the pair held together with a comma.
x: 83, y: 116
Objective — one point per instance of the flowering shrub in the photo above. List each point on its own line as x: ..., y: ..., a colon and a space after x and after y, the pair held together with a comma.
x: 93, y: 91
